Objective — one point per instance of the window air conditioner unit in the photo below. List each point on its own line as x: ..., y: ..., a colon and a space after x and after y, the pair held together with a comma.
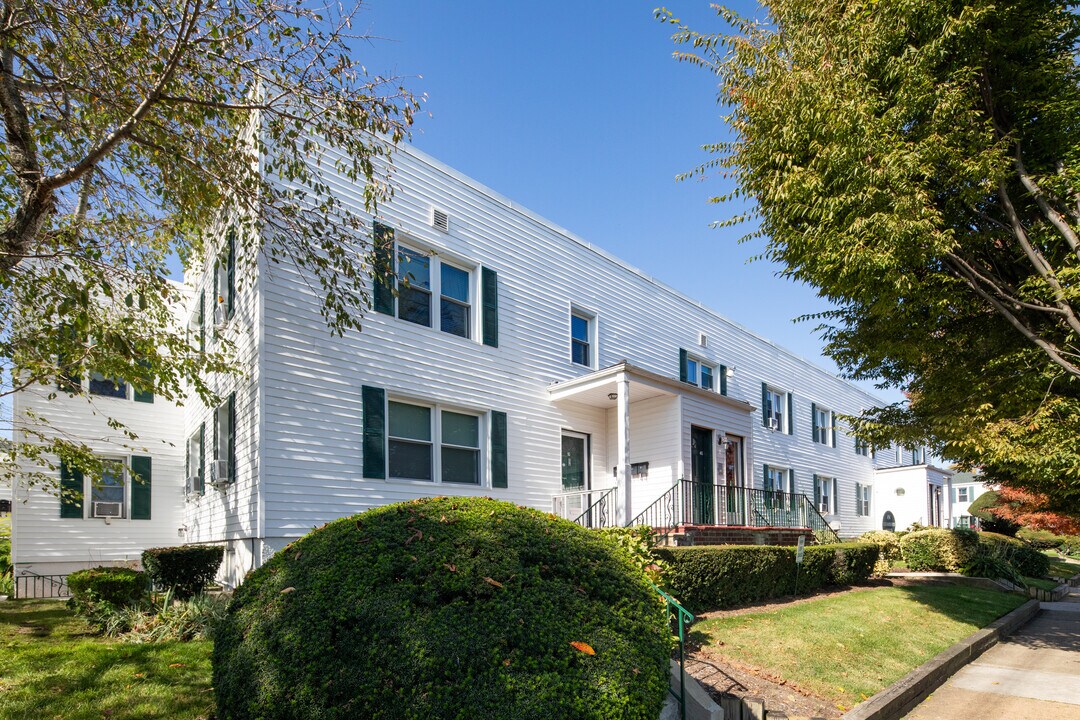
x: 219, y: 473
x: 774, y: 423
x: 107, y: 509
x: 193, y: 484
x: 219, y: 315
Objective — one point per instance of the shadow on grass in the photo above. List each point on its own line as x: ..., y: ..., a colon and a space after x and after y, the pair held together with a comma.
x: 964, y: 603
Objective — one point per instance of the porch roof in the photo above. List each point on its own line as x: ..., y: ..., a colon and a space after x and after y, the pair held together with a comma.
x: 593, y: 389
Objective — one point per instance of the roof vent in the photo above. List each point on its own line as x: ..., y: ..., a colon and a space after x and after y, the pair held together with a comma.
x: 440, y: 220
x: 702, y: 339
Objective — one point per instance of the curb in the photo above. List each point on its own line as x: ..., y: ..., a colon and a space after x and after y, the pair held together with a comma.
x: 902, y: 696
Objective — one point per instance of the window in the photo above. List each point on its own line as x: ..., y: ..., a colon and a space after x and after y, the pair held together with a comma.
x: 825, y: 489
x: 581, y: 338
x: 454, y: 307
x: 108, y: 493
x: 862, y: 447
x: 109, y: 387
x: 775, y: 406
x: 222, y: 471
x: 862, y: 500
x: 777, y: 479
x: 196, y: 336
x: 412, y: 453
x: 700, y: 374
x: 460, y: 448
x: 414, y: 287
x: 225, y: 281
x: 824, y: 432
x: 962, y: 494
x: 194, y: 464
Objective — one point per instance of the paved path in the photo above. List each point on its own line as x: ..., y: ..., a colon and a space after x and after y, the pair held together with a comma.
x: 1033, y: 674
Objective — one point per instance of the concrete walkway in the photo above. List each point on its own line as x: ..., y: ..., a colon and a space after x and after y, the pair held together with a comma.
x: 1033, y: 674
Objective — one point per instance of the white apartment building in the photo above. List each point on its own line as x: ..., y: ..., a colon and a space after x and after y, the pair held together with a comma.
x: 520, y: 362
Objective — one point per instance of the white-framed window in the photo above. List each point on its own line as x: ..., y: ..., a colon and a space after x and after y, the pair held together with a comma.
x: 582, y: 338
x: 776, y: 415
x: 825, y: 494
x: 962, y: 494
x: 108, y: 494
x: 700, y: 373
x: 194, y: 483
x: 862, y: 500
x: 778, y: 479
x: 424, y: 279
x: 862, y: 447
x: 823, y: 426
x: 222, y: 469
x: 433, y: 444
x: 225, y: 281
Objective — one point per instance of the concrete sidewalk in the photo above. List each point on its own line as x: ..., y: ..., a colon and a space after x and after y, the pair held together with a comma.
x: 1033, y: 674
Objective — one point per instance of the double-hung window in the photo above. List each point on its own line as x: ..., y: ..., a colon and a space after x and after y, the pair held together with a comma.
x: 825, y: 494
x: 581, y: 338
x: 223, y: 469
x: 225, y: 281
x: 862, y: 500
x: 108, y: 494
x: 414, y: 453
x: 454, y: 304
x: 109, y: 387
x: 414, y: 287
x: 862, y: 447
x: 823, y: 426
x: 194, y: 465
x: 775, y: 409
x: 962, y: 494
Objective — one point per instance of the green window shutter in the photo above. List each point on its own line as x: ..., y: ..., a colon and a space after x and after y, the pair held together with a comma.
x: 723, y: 379
x: 791, y: 413
x: 817, y: 492
x: 374, y: 400
x: 231, y: 454
x: 383, y: 272
x: 143, y: 396
x: 499, y: 456
x: 791, y: 482
x: 202, y: 321
x: 765, y: 476
x: 832, y: 431
x: 230, y: 273
x: 202, y: 459
x: 952, y: 494
x: 682, y: 365
x: 813, y: 420
x: 71, y: 492
x: 489, y: 281
x: 766, y: 411
x: 140, y: 487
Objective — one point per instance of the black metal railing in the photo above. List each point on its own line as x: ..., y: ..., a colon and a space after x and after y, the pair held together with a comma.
x: 32, y: 585
x: 694, y: 503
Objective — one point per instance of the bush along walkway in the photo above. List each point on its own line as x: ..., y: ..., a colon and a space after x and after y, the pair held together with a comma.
x: 820, y: 656
x: 1033, y: 674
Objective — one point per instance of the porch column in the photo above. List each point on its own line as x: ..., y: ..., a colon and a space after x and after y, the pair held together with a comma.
x: 622, y: 385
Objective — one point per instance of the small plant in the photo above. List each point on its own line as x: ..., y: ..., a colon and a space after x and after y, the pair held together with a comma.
x: 186, y: 570
x: 165, y: 620
x: 1025, y: 559
x: 987, y: 564
x: 888, y: 549
x: 104, y: 588
x: 641, y: 543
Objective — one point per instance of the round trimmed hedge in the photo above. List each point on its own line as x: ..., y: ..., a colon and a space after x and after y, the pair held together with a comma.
x: 444, y: 608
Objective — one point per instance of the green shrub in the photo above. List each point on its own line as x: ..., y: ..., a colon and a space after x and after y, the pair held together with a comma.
x: 990, y: 522
x: 186, y: 569
x: 1025, y: 559
x: 719, y: 576
x: 1041, y: 539
x: 888, y: 549
x: 6, y: 580
x: 640, y: 543
x: 989, y: 565
x: 445, y: 608
x: 939, y: 549
x: 111, y: 586
x: 1070, y: 546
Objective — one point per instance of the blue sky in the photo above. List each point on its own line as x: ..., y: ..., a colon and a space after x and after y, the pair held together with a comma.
x: 577, y: 111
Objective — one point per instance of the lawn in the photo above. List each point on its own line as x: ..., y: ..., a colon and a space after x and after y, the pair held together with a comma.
x: 51, y: 667
x: 847, y: 647
x: 1063, y: 567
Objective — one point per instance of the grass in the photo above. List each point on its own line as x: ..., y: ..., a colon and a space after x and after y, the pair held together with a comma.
x: 1063, y: 567
x: 51, y: 667
x: 846, y: 647
x: 1043, y: 583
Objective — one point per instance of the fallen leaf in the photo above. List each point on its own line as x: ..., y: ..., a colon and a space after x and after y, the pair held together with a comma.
x: 288, y: 590
x: 583, y: 647
x: 506, y: 662
x: 496, y: 583
x: 450, y: 566
x: 418, y: 535
x: 177, y: 665
x: 139, y: 675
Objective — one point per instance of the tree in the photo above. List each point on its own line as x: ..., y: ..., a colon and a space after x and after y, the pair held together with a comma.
x: 918, y: 163
x: 984, y: 508
x: 132, y: 133
x: 1028, y: 510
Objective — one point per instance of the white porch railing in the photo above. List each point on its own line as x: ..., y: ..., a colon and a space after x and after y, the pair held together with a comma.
x: 596, y: 508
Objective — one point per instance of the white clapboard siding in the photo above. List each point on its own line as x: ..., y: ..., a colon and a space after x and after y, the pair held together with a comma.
x: 310, y: 452
x: 46, y: 544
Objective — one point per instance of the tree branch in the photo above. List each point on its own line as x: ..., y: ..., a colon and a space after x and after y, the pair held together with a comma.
x: 1050, y: 213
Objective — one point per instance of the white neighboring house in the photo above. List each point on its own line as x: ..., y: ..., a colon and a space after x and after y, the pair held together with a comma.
x: 520, y: 363
x: 917, y: 493
x: 966, y: 487
x: 99, y: 523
